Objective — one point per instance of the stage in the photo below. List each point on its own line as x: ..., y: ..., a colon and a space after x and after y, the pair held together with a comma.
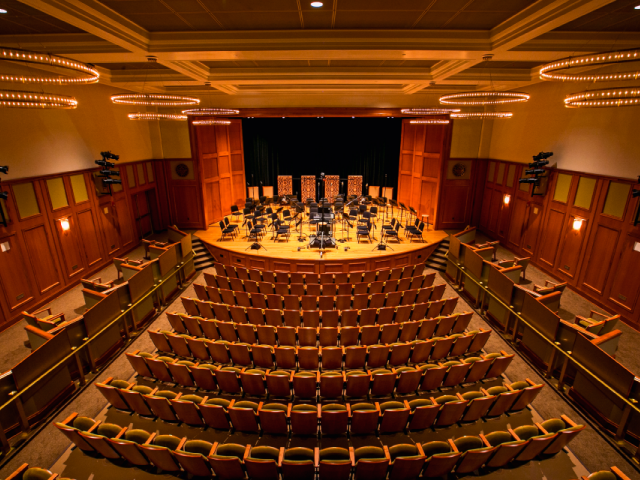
x: 284, y: 256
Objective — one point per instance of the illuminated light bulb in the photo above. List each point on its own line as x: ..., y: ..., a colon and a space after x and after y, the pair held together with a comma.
x: 507, y: 199
x: 430, y: 121
x: 64, y: 224
x: 577, y: 223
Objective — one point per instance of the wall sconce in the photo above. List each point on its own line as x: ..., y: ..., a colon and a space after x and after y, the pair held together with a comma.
x: 506, y: 199
x: 64, y: 224
x: 577, y: 223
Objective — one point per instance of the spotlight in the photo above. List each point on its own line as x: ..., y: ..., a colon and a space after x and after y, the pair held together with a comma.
x: 577, y: 223
x: 528, y: 180
x: 507, y: 199
x: 110, y: 172
x: 112, y: 181
x: 110, y: 156
x: 4, y: 169
x: 105, y: 164
x: 64, y: 224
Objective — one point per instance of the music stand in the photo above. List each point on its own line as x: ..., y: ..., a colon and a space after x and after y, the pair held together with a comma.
x: 301, y: 236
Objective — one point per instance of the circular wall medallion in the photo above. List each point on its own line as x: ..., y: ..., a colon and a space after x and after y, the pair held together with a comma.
x: 182, y: 170
x: 459, y: 169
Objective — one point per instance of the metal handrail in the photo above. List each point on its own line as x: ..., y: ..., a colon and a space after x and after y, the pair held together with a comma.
x: 15, y: 396
x: 630, y: 403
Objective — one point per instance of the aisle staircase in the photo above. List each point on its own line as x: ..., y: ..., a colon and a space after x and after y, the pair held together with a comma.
x: 438, y: 259
x: 203, y: 258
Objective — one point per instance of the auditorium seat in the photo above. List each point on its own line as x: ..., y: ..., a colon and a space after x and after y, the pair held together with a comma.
x: 24, y: 472
x: 263, y: 463
x: 507, y: 448
x: 227, y: 461
x: 127, y: 444
x: 335, y: 463
x: 371, y: 463
x: 613, y: 473
x: 159, y: 450
x: 604, y: 323
x: 475, y: 452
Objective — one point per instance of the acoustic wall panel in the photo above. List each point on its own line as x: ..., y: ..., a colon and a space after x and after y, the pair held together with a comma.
x: 354, y: 185
x: 285, y: 185
x: 331, y: 186
x: 308, y: 187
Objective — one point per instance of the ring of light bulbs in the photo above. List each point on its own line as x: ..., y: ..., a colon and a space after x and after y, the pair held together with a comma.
x: 88, y: 73
x: 607, y: 97
x: 549, y: 71
x: 481, y: 115
x: 470, y: 99
x: 24, y: 99
x: 157, y: 116
x: 154, y: 99
x: 429, y: 121
x: 212, y: 121
x: 429, y: 111
x: 210, y: 111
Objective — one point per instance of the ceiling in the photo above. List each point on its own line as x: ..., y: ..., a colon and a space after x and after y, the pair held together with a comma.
x: 284, y: 52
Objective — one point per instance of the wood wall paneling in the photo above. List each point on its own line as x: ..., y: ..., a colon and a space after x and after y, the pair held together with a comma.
x: 41, y: 257
x: 17, y: 290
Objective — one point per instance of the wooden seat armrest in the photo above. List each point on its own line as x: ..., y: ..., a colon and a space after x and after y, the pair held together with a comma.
x: 485, y: 441
x: 593, y: 312
x: 511, y: 269
x: 548, y: 297
x: 580, y: 317
x: 38, y: 332
x: 606, y: 337
x: 93, y: 293
x: 316, y: 456
x: 568, y: 421
x: 513, y: 434
x: 70, y: 418
x: 453, y: 446
x: 352, y: 455
x: 122, y: 432
x: 618, y: 473
x: 47, y: 309
x: 503, y: 263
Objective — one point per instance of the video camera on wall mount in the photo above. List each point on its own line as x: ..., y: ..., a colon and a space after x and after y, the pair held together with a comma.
x: 539, y: 177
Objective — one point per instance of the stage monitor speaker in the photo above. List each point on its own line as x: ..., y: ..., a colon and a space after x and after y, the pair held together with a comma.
x: 255, y: 246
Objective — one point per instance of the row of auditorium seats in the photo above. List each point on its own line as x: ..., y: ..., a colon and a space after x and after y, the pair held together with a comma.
x: 329, y: 384
x: 317, y: 289
x: 401, y: 462
x: 313, y: 318
x: 326, y: 335
x: 322, y: 302
x: 354, y: 356
x: 333, y: 419
x: 324, y: 278
x: 25, y: 472
x: 55, y: 340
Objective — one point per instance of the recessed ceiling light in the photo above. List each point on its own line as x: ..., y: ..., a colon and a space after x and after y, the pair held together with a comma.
x: 637, y: 7
x: 2, y: 10
x: 316, y: 4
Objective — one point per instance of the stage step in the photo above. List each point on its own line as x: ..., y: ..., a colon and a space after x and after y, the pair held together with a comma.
x: 203, y: 258
x: 438, y: 259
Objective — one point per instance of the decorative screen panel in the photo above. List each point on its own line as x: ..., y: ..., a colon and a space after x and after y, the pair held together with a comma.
x: 308, y: 185
x: 331, y: 186
x: 285, y: 185
x: 355, y: 185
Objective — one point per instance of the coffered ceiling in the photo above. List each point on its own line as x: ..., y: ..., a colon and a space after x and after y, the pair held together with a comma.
x: 257, y: 52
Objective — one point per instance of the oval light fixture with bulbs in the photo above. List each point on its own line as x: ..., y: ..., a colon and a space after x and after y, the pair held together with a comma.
x: 316, y: 4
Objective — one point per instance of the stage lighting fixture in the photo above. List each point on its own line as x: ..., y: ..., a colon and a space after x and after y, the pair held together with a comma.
x: 4, y: 169
x: 110, y: 172
x: 112, y: 181
x: 110, y: 156
x: 528, y: 180
x: 105, y: 164
x: 535, y: 171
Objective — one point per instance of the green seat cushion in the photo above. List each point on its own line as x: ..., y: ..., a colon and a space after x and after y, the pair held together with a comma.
x: 232, y: 369
x: 36, y: 474
x: 446, y: 399
x: 468, y: 443
x: 452, y: 363
x: 218, y: 401
x: 83, y: 423
x: 427, y: 366
x: 498, y: 438
x: 186, y: 362
x: 497, y: 390
x: 201, y: 447
x: 145, y: 354
x: 403, y: 450
x: 166, y: 394
x: 118, y: 383
x: 380, y: 371
x: 305, y: 374
x: 603, y: 475
x: 275, y: 406
x: 369, y: 453
x: 520, y: 385
x: 208, y: 366
x: 168, y: 441
x: 493, y: 355
x: 137, y: 436
x: 142, y: 389
x: 472, y: 395
x: 280, y: 372
x: 230, y: 450
x: 472, y: 360
x: 356, y: 372
x: 246, y: 404
x: 333, y: 407
x: 334, y: 453
x: 420, y: 402
x: 304, y: 408
x: 554, y: 425
x: 299, y: 455
x: 435, y: 448
x: 109, y: 430
x: 255, y: 371
x: 191, y: 398
x: 525, y: 432
x: 166, y: 359
x: 391, y: 406
x: 362, y: 406
x: 405, y: 369
x: 264, y: 453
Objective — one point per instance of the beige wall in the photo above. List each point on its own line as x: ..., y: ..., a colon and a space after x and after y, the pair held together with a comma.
x: 596, y: 140
x: 175, y: 139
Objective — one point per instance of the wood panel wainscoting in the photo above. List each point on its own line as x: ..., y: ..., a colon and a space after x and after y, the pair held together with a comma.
x: 580, y: 232
x: 39, y: 259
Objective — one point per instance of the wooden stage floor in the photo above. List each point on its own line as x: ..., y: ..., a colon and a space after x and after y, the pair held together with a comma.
x: 289, y: 250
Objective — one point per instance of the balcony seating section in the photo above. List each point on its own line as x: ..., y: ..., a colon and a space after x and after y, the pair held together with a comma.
x: 199, y: 458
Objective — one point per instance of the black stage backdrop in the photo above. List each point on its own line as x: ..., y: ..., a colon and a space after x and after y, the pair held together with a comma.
x: 308, y: 146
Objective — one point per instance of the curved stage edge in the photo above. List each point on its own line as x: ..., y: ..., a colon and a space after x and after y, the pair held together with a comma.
x: 285, y: 256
